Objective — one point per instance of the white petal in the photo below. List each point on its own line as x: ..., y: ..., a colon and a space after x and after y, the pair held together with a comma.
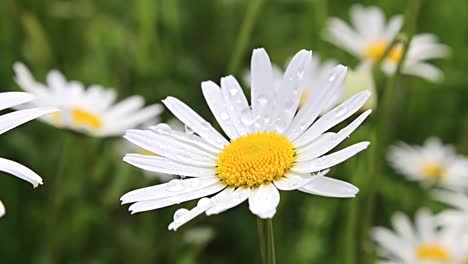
x: 237, y: 105
x: 56, y: 81
x: 391, y: 243
x: 191, y: 119
x: 264, y: 200
x: 329, y: 187
x: 129, y: 105
x: 330, y: 160
x: 164, y: 165
x: 229, y: 199
x: 171, y: 188
x: 14, y: 119
x: 329, y: 140
x: 425, y: 224
x: 333, y: 117
x: 119, y: 124
x: 404, y: 228
x: 25, y: 79
x: 292, y: 181
x: 341, y: 35
x: 20, y: 171
x: 218, y: 107
x: 291, y: 89
x: 9, y: 99
x: 2, y: 209
x: 424, y: 70
x: 261, y: 88
x: 170, y: 148
x: 164, y: 202
x: 313, y: 106
x: 165, y: 129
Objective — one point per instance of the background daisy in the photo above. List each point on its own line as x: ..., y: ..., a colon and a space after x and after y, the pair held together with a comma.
x: 370, y: 35
x: 92, y: 111
x: 421, y: 243
x: 431, y: 163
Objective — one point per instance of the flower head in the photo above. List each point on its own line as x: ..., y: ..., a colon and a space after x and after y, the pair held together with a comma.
x: 92, y: 111
x: 423, y: 243
x: 432, y: 163
x: 371, y: 35
x: 273, y: 146
x: 12, y: 120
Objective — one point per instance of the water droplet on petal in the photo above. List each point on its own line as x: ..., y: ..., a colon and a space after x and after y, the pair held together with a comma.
x: 340, y: 111
x: 203, y: 202
x: 175, y: 186
x: 188, y: 130
x: 233, y: 91
x: 180, y: 213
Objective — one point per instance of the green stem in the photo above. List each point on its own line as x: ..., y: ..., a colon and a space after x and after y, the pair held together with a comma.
x: 244, y: 35
x: 266, y: 240
x: 386, y: 110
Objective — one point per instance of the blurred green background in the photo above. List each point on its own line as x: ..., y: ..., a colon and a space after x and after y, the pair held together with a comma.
x: 158, y: 48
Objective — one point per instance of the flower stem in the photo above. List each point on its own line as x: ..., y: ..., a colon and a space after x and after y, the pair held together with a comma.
x: 266, y: 240
x: 244, y: 35
x: 386, y: 117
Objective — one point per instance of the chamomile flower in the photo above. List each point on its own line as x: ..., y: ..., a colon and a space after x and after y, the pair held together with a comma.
x: 457, y: 217
x: 371, y: 36
x: 422, y: 243
x: 272, y: 145
x: 431, y: 163
x: 12, y: 120
x: 92, y: 111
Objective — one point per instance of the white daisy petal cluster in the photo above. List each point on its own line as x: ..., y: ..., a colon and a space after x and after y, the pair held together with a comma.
x: 426, y: 242
x: 92, y: 111
x: 431, y: 163
x: 272, y: 145
x: 313, y: 79
x: 370, y: 35
x: 457, y: 216
x: 12, y: 120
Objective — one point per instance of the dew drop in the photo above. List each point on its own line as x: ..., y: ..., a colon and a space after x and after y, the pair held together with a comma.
x: 203, y: 202
x: 233, y: 91
x: 340, y: 111
x: 175, y: 186
x: 180, y: 213
x: 188, y: 130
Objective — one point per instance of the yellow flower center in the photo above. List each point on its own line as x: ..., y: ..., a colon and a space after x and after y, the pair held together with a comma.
x: 432, y: 170
x: 432, y: 252
x: 254, y: 159
x: 305, y: 95
x: 376, y: 49
x: 83, y: 117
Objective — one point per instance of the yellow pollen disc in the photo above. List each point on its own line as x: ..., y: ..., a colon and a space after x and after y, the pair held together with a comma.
x: 254, y: 159
x: 377, y: 48
x: 432, y: 252
x: 82, y: 117
x: 305, y: 95
x: 432, y: 170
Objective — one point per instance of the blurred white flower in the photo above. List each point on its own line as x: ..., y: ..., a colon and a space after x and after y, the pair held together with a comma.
x: 273, y: 145
x: 457, y: 217
x: 431, y: 163
x: 359, y: 80
x: 92, y: 111
x: 371, y: 36
x: 423, y: 243
x: 12, y: 120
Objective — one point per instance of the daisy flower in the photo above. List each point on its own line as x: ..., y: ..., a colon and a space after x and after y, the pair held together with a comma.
x: 12, y: 120
x: 371, y: 36
x: 422, y: 243
x: 92, y: 111
x: 272, y: 145
x: 456, y: 216
x: 432, y: 163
